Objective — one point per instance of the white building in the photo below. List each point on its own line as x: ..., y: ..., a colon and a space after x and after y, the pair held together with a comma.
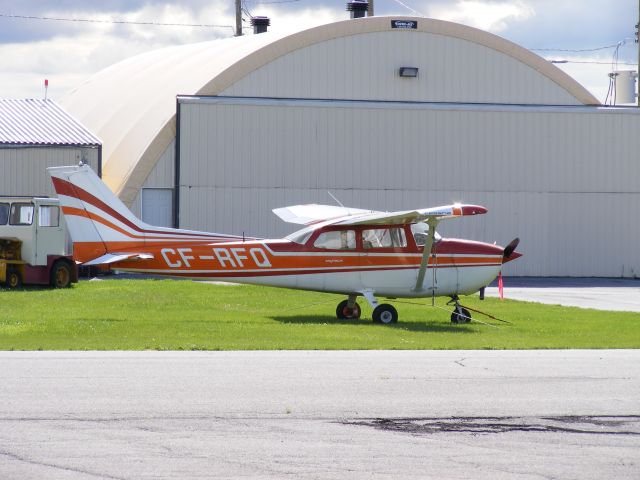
x: 34, y: 135
x: 214, y: 135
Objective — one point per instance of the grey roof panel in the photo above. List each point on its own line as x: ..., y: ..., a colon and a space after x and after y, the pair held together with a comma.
x: 41, y: 122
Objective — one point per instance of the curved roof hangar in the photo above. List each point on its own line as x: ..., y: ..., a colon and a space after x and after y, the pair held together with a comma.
x: 131, y: 105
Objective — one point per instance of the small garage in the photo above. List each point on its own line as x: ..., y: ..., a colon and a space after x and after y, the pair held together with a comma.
x: 36, y: 134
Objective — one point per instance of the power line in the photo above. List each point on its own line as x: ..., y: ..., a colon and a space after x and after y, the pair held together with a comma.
x: 415, y: 12
x: 589, y: 61
x: 275, y: 1
x: 118, y: 22
x: 573, y: 50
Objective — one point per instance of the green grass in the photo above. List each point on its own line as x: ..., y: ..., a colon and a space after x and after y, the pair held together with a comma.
x: 183, y: 315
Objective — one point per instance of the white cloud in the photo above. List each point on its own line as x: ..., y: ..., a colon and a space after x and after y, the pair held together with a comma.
x: 487, y: 15
x: 79, y: 50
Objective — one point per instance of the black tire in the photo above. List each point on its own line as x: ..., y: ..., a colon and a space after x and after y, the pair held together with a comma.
x: 385, y: 314
x: 14, y: 279
x: 343, y: 312
x: 60, y: 275
x: 461, y: 315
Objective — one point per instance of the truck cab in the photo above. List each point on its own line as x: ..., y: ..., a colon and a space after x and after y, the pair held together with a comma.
x: 34, y: 245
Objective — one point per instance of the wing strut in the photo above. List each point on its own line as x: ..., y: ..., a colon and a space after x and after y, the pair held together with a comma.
x: 426, y: 253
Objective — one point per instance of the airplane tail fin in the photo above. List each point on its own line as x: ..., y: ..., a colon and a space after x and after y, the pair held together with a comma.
x: 97, y: 220
x: 102, y: 228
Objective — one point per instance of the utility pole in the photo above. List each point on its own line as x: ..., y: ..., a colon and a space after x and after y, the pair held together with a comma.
x: 239, y: 18
x: 638, y: 42
x: 370, y: 8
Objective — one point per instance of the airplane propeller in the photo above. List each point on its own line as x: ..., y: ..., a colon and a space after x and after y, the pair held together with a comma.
x: 509, y: 249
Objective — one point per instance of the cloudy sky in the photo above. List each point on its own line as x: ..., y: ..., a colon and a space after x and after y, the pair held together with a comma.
x: 35, y: 43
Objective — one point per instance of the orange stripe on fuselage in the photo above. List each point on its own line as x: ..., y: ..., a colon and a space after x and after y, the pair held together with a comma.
x: 253, y: 258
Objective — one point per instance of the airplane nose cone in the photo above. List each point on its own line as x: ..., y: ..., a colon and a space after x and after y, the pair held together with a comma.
x: 511, y: 257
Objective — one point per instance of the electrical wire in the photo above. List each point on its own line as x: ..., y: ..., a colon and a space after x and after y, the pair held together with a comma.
x: 118, y: 22
x: 605, y: 47
x: 409, y: 8
x: 275, y: 1
x: 595, y: 62
x: 245, y: 9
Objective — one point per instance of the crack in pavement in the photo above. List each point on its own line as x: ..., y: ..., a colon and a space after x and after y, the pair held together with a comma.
x: 588, y: 424
x: 58, y: 467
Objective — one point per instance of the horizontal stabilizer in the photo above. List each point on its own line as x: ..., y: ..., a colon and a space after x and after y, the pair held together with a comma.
x: 118, y: 257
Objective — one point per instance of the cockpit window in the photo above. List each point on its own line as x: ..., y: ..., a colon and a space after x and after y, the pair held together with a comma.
x: 421, y: 234
x: 384, y: 238
x: 336, y: 240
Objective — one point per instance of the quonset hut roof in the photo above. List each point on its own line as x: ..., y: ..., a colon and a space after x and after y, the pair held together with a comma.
x: 35, y: 122
x: 132, y: 104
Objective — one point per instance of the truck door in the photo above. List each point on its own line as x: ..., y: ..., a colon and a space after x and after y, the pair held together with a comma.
x: 50, y: 237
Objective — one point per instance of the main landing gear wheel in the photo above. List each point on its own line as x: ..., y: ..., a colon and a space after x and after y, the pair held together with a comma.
x: 385, y: 313
x: 460, y: 315
x: 344, y: 312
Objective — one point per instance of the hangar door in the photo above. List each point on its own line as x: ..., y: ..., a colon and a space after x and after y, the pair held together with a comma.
x: 157, y: 206
x: 538, y: 169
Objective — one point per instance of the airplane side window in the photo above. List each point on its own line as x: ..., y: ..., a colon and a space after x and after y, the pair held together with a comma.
x: 384, y: 238
x: 336, y: 240
x: 4, y: 213
x: 421, y: 234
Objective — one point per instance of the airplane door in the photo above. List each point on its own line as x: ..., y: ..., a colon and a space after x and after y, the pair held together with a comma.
x: 385, y: 260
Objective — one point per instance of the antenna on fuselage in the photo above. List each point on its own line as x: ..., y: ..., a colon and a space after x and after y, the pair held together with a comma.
x: 334, y: 197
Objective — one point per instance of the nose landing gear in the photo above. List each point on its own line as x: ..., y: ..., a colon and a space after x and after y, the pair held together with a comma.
x: 459, y: 314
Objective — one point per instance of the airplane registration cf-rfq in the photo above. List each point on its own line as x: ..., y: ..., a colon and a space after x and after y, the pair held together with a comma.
x: 340, y: 250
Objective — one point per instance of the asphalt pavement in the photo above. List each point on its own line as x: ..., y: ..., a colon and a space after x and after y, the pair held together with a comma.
x: 620, y: 294
x: 372, y: 414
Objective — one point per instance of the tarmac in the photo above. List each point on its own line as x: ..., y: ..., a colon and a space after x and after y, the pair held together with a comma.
x: 320, y: 415
x: 560, y: 414
x: 616, y: 294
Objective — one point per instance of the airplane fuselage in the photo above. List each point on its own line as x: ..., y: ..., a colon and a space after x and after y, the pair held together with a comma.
x: 456, y: 267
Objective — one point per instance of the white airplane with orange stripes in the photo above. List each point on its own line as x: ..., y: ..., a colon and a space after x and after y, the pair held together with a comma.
x: 340, y: 250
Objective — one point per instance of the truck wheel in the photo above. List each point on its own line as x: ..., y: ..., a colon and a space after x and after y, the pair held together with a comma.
x: 14, y: 280
x: 60, y: 275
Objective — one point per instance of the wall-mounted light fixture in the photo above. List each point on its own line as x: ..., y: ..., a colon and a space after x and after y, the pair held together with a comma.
x: 408, y: 71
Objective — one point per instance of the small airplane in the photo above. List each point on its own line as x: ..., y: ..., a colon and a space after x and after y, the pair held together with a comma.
x: 339, y: 250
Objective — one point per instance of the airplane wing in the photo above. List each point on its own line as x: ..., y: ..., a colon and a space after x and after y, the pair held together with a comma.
x: 310, y: 214
x: 414, y: 216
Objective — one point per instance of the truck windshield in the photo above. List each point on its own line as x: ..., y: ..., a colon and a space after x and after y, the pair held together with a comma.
x: 21, y: 214
x: 4, y: 213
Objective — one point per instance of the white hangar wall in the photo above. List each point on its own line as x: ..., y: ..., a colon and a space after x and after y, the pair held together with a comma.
x: 24, y: 168
x: 563, y: 179
x: 365, y: 67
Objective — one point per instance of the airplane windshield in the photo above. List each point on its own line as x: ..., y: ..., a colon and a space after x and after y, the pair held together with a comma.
x: 301, y: 236
x: 421, y: 234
